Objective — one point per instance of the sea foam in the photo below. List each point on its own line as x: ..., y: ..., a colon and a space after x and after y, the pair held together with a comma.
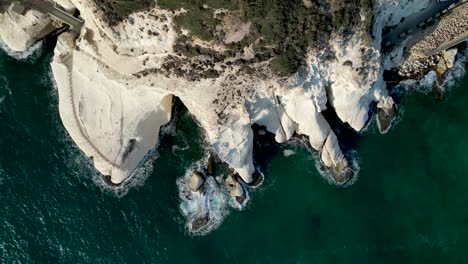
x: 214, y: 202
x: 450, y: 78
x: 4, y: 91
x: 30, y: 54
x: 139, y: 176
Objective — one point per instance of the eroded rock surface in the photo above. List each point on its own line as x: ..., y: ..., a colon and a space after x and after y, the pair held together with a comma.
x: 21, y: 28
x: 117, y: 79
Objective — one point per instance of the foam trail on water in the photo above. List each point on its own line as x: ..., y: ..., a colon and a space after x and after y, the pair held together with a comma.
x: 135, y: 180
x: 4, y: 90
x: 351, y: 156
x: 452, y: 76
x: 1, y: 176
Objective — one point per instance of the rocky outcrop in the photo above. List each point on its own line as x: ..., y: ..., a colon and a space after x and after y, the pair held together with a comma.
x: 116, y: 85
x: 196, y: 181
x: 115, y: 92
x: 21, y: 28
x: 446, y: 61
x: 113, y: 121
x: 236, y: 190
x: 386, y: 114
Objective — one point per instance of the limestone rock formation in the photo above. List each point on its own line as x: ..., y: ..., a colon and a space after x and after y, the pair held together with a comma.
x: 118, y: 77
x: 21, y: 28
x: 196, y: 182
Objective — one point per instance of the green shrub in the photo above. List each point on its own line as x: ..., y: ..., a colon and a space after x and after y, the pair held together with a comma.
x: 287, y: 27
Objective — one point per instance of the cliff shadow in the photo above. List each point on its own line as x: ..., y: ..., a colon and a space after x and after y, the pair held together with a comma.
x: 348, y: 138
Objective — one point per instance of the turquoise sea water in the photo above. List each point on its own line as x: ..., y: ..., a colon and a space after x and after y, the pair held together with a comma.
x: 410, y: 204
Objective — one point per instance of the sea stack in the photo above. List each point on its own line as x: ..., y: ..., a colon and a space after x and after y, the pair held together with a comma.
x: 196, y: 181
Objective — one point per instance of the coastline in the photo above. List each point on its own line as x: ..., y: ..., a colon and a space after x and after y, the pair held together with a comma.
x: 54, y: 200
x: 114, y: 96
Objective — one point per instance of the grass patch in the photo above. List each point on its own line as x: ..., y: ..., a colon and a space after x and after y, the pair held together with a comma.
x: 287, y: 27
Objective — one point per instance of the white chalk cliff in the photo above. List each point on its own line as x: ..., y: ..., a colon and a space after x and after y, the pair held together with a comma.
x: 20, y: 31
x: 117, y: 84
x: 115, y: 96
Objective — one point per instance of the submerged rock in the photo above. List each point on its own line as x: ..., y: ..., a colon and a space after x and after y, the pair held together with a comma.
x: 107, y: 180
x: 199, y: 223
x: 341, y: 173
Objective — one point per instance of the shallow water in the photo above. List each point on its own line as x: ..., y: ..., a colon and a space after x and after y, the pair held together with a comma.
x: 408, y: 206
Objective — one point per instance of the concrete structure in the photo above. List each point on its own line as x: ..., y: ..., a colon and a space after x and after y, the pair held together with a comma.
x: 437, y: 12
x: 448, y: 44
x: 55, y: 11
x: 425, y: 17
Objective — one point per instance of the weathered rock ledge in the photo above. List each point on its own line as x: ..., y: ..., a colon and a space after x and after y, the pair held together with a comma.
x: 116, y: 86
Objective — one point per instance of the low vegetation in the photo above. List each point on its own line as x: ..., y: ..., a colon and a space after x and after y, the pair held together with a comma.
x: 118, y: 10
x: 287, y: 27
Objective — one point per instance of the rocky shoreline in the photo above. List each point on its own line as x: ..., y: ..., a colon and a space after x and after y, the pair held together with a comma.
x: 117, y: 82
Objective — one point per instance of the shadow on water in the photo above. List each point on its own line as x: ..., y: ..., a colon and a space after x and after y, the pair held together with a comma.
x: 348, y: 138
x: 265, y: 147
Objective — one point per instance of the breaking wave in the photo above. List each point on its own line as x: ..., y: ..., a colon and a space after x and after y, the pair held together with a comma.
x: 426, y: 84
x: 139, y: 176
x: 213, y: 203
x: 31, y: 54
x: 450, y: 79
x: 351, y: 156
x: 136, y: 180
x: 401, y: 110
